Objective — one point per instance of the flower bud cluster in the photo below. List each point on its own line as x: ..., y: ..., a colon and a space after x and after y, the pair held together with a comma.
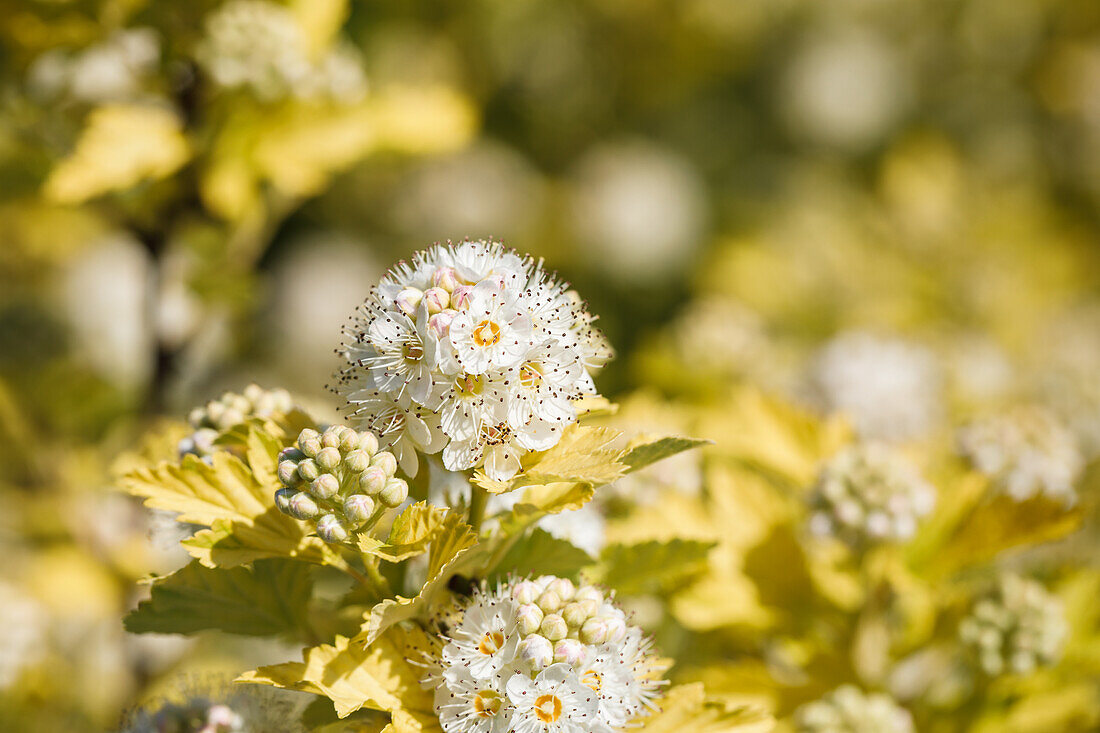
x: 1026, y: 452
x: 339, y: 480
x: 259, y: 45
x: 847, y: 709
x: 217, y: 416
x: 471, y: 350
x: 543, y: 654
x: 1017, y: 628
x: 868, y: 494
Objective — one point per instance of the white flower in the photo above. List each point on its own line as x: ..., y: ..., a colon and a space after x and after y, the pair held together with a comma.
x: 1027, y: 452
x: 869, y: 494
x: 554, y: 702
x: 847, y: 709
x: 466, y: 705
x: 1016, y: 628
x: 482, y: 347
x: 22, y: 633
x: 890, y: 388
x: 542, y: 655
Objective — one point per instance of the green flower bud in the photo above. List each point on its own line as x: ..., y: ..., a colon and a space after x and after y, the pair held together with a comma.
x: 369, y: 443
x: 358, y: 508
x: 553, y: 627
x: 349, y: 442
x: 372, y: 480
x: 563, y: 587
x: 288, y: 474
x: 575, y: 614
x: 331, y: 529
x: 282, y: 500
x: 357, y: 461
x: 385, y: 461
x: 549, y: 602
x: 291, y: 454
x: 307, y: 435
x: 324, y: 486
x: 308, y: 470
x: 526, y: 592
x: 330, y: 439
x: 529, y: 617
x: 302, y: 506
x: 394, y: 492
x: 310, y: 447
x: 594, y: 631
x: 328, y: 459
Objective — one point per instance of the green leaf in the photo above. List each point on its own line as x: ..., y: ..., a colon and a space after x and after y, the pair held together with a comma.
x: 235, y: 500
x: 410, y: 535
x: 685, y: 708
x: 540, y: 553
x: 354, y: 676
x: 559, y: 497
x: 649, y: 567
x: 583, y: 455
x: 268, y: 598
x: 641, y: 455
x: 454, y: 540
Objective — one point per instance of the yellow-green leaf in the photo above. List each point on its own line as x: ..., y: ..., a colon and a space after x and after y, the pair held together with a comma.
x: 120, y: 146
x: 410, y: 535
x: 268, y: 598
x: 685, y: 708
x: 540, y: 553
x: 650, y: 567
x: 583, y: 455
x: 642, y: 453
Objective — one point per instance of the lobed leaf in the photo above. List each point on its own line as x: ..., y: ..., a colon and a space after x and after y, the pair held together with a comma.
x: 649, y: 567
x: 540, y: 553
x: 640, y: 454
x: 410, y: 535
x: 268, y: 598
x: 685, y: 708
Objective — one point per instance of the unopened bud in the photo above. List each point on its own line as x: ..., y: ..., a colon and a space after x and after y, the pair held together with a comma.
x: 288, y: 474
x: 536, y: 651
x: 302, y: 506
x: 529, y: 617
x: 324, y: 486
x: 385, y: 461
x: 282, y: 500
x: 349, y: 442
x: 594, y: 631
x: 570, y: 651
x: 331, y: 529
x: 526, y: 592
x: 589, y: 593
x: 445, y: 278
x: 372, y: 480
x: 291, y: 454
x: 616, y: 628
x: 549, y: 601
x: 394, y: 492
x: 328, y: 459
x: 310, y: 447
x: 563, y: 587
x: 357, y: 461
x: 440, y: 323
x: 330, y: 438
x: 575, y: 614
x: 307, y: 435
x: 204, y: 440
x: 437, y: 299
x: 368, y: 443
x: 408, y: 300
x: 358, y: 508
x: 460, y: 297
x: 308, y: 470
x: 553, y: 627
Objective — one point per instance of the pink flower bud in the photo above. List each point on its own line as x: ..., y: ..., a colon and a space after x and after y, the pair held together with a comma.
x: 570, y: 651
x: 460, y: 298
x: 408, y: 300
x: 440, y: 323
x: 445, y: 278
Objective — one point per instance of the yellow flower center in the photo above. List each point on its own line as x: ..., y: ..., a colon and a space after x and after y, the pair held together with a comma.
x: 548, y: 708
x: 491, y: 643
x: 486, y: 333
x: 486, y: 704
x: 592, y: 679
x: 530, y: 376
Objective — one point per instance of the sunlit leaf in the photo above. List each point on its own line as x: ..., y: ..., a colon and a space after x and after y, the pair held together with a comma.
x: 649, y: 567
x: 410, y: 535
x: 685, y: 708
x: 640, y: 454
x: 540, y: 553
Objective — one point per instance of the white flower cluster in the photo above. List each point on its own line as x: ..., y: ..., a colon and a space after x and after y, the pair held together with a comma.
x: 471, y: 350
x: 22, y: 633
x: 847, y: 709
x: 228, y: 410
x: 868, y: 494
x: 113, y: 70
x: 339, y: 480
x: 542, y: 655
x: 259, y: 45
x: 1019, y: 627
x: 891, y: 388
x: 1027, y: 452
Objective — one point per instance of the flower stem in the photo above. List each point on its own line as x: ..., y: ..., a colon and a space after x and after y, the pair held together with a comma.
x: 479, y: 497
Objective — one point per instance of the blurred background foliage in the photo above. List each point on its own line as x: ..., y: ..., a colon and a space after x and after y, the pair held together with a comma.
x: 861, y: 205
